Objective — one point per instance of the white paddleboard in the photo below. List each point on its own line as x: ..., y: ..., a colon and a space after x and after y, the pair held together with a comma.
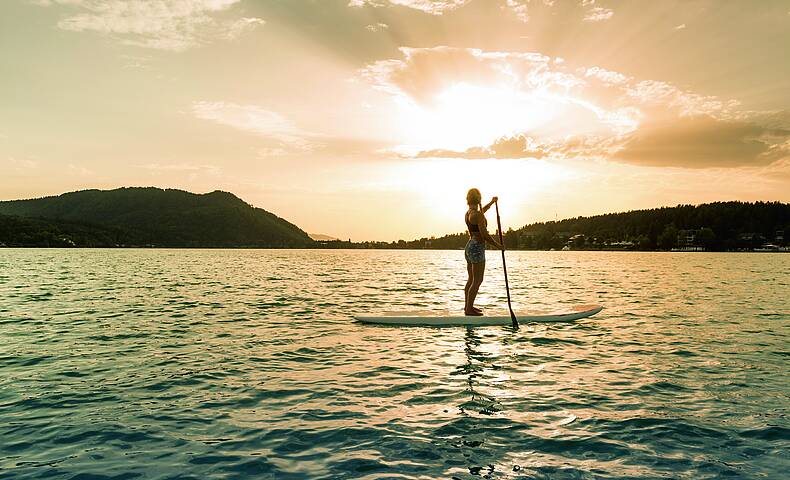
x: 500, y: 318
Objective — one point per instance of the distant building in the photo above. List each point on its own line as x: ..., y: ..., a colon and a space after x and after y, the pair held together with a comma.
x: 577, y: 240
x: 750, y: 237
x: 67, y: 241
x: 687, y: 238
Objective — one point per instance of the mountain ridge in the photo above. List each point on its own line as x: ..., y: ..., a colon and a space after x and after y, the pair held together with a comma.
x: 164, y: 217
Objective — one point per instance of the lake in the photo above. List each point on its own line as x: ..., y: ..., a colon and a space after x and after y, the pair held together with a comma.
x: 202, y: 364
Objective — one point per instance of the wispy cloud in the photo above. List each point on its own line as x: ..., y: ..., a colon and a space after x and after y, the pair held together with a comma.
x: 181, y: 167
x: 241, y: 26
x: 434, y: 7
x: 423, y: 72
x: 607, y: 76
x: 20, y: 165
x: 80, y: 170
x: 598, y: 14
x: 160, y: 24
x: 377, y: 27
x: 257, y: 120
x: 519, y: 9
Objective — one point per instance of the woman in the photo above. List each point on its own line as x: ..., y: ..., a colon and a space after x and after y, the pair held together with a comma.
x: 475, y: 250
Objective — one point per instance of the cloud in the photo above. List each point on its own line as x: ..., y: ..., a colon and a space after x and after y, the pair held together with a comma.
x: 585, y: 112
x: 19, y: 165
x: 519, y: 9
x: 703, y: 141
x: 598, y: 14
x: 526, y: 146
x: 517, y: 146
x: 174, y: 25
x: 80, y: 170
x: 242, y: 26
x: 434, y: 7
x: 656, y: 94
x: 423, y: 72
x: 377, y: 27
x: 257, y: 120
x: 565, y: 98
x: 181, y: 167
x: 607, y: 76
x: 689, y: 142
x: 681, y: 26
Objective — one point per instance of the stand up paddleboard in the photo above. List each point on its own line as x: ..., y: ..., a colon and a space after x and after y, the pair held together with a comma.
x: 435, y: 320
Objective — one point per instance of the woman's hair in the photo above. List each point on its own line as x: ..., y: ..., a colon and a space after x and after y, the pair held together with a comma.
x: 473, y: 197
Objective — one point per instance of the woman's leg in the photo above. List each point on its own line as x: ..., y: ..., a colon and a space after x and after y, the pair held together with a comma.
x: 468, y: 285
x: 478, y: 269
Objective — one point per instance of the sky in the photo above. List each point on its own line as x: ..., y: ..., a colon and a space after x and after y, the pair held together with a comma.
x: 370, y: 119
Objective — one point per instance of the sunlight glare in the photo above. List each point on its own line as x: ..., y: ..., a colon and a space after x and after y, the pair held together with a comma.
x: 465, y: 116
x: 441, y: 184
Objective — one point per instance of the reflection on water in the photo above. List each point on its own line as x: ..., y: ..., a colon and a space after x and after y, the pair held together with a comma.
x: 237, y: 364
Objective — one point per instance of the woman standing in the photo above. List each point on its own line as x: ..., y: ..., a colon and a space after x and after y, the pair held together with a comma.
x: 475, y: 250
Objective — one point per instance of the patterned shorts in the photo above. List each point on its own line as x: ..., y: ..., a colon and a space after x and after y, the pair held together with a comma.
x: 475, y: 251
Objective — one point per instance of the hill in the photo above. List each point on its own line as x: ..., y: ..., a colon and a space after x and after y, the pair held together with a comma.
x: 145, y: 216
x: 721, y: 226
x: 709, y: 226
x: 320, y: 237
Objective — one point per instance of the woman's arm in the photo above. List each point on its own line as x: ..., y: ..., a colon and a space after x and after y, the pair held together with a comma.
x: 488, y: 205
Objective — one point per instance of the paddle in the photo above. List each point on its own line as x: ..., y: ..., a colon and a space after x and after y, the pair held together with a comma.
x: 504, y: 267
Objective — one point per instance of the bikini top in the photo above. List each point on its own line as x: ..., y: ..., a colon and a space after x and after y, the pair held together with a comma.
x: 473, y: 227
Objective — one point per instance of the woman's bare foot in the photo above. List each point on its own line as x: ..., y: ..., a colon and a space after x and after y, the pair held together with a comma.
x: 477, y: 309
x: 473, y: 313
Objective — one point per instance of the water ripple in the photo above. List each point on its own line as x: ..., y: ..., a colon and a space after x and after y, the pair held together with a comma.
x: 198, y: 364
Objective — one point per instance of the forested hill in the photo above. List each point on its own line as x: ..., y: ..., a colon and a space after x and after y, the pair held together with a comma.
x: 710, y: 226
x: 144, y: 217
x: 713, y: 226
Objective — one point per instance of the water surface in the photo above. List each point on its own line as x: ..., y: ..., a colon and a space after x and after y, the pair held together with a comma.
x: 246, y: 364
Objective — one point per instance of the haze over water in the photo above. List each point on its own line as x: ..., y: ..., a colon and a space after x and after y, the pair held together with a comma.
x: 247, y: 364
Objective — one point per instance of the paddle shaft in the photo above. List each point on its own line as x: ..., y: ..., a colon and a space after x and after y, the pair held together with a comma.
x: 504, y: 267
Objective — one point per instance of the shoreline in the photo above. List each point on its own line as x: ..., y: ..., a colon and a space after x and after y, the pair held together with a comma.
x: 157, y: 247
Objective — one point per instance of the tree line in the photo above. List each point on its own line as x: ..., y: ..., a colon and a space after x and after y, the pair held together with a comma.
x: 718, y: 226
x: 173, y: 218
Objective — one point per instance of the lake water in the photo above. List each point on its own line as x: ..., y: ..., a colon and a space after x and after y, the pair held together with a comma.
x: 210, y: 364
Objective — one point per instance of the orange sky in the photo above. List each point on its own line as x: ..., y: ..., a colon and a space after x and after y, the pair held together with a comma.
x: 370, y: 119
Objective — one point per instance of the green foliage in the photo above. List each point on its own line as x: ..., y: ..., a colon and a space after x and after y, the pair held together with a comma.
x: 668, y: 238
x: 706, y: 237
x: 34, y: 232
x: 716, y: 226
x: 148, y: 216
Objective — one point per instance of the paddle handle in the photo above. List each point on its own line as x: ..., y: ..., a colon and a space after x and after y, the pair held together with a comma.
x: 504, y: 266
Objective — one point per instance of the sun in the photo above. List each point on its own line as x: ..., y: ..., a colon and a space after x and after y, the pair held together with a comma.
x: 466, y: 115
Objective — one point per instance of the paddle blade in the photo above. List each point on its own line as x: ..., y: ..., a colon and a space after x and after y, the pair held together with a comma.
x: 514, y: 319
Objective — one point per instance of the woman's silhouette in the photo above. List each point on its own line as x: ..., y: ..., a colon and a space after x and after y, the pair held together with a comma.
x: 475, y: 250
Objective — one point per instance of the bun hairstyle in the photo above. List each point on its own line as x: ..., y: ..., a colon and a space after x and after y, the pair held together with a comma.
x: 473, y: 197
